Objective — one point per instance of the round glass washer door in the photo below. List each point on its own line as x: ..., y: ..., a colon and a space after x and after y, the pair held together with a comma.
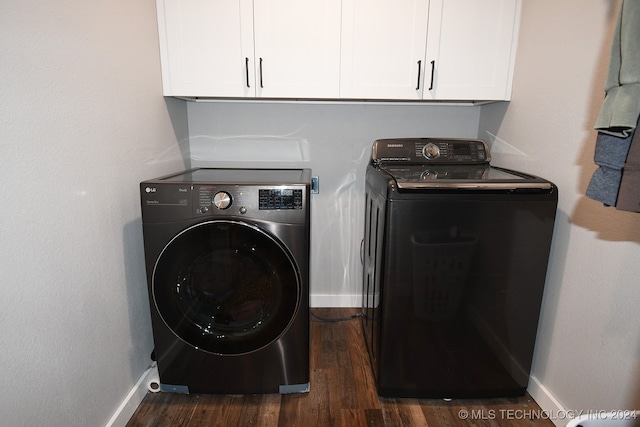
x: 226, y: 287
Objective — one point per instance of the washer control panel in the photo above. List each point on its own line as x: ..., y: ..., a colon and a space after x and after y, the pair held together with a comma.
x: 220, y: 199
x: 430, y: 150
x: 262, y: 195
x: 279, y: 198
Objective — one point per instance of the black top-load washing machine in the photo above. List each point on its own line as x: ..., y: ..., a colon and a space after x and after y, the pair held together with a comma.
x: 455, y: 260
x: 227, y: 260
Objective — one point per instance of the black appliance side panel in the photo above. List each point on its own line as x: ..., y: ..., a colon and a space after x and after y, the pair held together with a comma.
x: 463, y: 281
x: 372, y: 254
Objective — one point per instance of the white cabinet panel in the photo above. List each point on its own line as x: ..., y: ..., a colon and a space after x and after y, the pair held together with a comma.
x: 472, y: 44
x: 383, y: 48
x: 298, y: 44
x: 204, y: 45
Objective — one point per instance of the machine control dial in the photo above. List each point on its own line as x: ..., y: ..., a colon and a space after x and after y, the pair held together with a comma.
x: 428, y: 174
x: 431, y: 151
x: 222, y: 200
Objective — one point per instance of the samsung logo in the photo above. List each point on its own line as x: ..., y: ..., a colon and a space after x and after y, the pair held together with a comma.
x: 395, y: 145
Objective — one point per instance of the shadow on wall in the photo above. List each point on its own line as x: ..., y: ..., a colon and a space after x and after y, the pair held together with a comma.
x: 610, y: 223
x: 137, y: 297
x: 177, y: 110
x: 503, y: 153
x: 634, y: 395
x: 173, y: 158
x: 553, y: 288
x: 257, y: 151
x: 176, y: 156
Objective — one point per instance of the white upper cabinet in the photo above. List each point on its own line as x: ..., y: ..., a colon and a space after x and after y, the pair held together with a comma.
x: 339, y: 49
x: 471, y: 49
x: 383, y: 48
x: 428, y: 49
x: 208, y: 49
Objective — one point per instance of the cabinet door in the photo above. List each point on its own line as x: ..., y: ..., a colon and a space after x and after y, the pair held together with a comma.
x: 297, y: 48
x: 205, y: 47
x: 383, y: 48
x: 472, y: 45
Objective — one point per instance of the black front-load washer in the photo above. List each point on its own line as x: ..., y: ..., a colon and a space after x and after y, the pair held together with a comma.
x: 227, y: 260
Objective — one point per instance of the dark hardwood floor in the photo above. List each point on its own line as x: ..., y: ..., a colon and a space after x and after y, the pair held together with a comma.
x: 342, y: 394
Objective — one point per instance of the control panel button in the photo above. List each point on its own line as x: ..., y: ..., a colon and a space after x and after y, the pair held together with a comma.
x: 222, y: 200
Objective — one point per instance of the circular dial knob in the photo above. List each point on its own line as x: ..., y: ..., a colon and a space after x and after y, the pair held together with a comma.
x: 428, y: 175
x: 222, y: 200
x: 431, y: 151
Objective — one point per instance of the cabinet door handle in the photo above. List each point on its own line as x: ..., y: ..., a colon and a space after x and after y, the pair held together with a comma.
x: 261, y: 85
x: 246, y: 67
x: 433, y: 71
x: 419, y: 70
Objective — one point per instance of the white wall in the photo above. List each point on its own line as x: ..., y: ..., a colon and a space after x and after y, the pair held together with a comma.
x: 82, y: 122
x: 588, y: 351
x: 334, y: 140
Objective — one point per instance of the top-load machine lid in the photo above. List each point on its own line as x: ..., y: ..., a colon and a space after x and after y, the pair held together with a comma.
x: 445, y: 163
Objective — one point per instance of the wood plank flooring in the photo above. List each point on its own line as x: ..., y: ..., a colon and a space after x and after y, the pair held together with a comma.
x: 342, y: 394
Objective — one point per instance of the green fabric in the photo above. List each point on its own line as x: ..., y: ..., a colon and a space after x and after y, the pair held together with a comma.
x: 621, y: 107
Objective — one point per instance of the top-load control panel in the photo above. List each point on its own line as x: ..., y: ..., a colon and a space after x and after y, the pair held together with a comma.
x: 430, y: 151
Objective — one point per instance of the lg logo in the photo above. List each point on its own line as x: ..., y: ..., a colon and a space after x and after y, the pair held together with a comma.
x: 150, y: 189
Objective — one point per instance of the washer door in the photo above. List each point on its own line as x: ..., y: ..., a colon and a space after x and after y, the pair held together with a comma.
x: 226, y: 287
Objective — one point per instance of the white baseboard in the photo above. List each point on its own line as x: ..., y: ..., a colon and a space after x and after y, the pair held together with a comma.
x: 134, y: 398
x: 547, y: 402
x: 331, y: 300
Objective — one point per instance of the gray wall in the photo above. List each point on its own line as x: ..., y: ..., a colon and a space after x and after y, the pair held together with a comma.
x: 334, y: 140
x: 83, y: 121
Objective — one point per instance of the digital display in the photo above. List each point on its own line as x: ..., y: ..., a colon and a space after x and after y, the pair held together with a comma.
x: 461, y: 149
x: 280, y: 199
